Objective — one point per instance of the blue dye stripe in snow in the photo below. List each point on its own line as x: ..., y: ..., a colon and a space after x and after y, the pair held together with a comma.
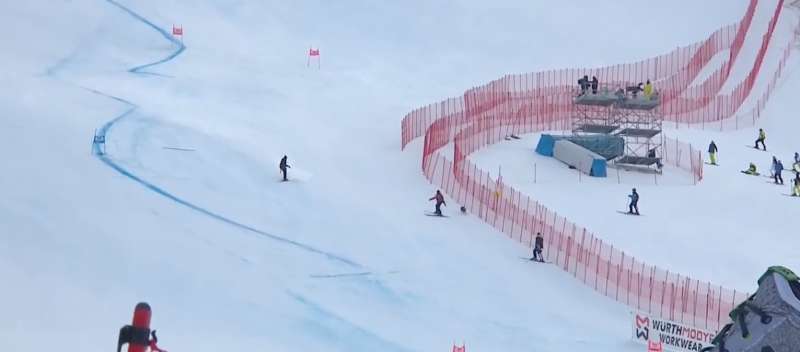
x: 163, y: 32
x: 341, y: 333
x: 221, y: 218
x: 132, y: 107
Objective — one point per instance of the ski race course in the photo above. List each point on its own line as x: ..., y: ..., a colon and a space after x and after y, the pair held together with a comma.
x: 179, y: 203
x: 518, y: 104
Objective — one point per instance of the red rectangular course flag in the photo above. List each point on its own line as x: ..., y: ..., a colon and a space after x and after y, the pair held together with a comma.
x: 460, y: 349
x: 177, y: 30
x: 653, y: 346
x: 313, y: 52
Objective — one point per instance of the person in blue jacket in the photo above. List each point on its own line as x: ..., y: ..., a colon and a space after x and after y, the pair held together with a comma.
x: 777, y: 171
x: 633, y: 207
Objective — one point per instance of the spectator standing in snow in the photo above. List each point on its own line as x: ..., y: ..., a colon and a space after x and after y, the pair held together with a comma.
x: 712, y: 152
x: 762, y: 136
x: 634, y: 90
x: 538, y: 247
x: 633, y: 207
x: 283, y: 166
x: 648, y: 89
x: 439, y: 202
x: 796, y: 165
x: 595, y: 83
x: 652, y: 154
x: 584, y: 83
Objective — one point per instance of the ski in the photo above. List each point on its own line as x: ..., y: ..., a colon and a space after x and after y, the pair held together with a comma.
x: 180, y: 149
x: 436, y: 215
x: 756, y: 148
x: 628, y: 213
x: 755, y: 174
x: 707, y: 163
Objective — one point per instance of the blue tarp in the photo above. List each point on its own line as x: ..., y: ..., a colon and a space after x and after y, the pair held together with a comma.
x: 598, y: 168
x: 546, y: 144
x: 546, y: 147
x: 607, y: 146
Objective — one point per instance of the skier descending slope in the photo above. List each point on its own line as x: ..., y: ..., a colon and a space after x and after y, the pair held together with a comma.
x: 633, y: 207
x: 762, y: 136
x: 283, y: 166
x: 538, y: 247
x: 439, y: 198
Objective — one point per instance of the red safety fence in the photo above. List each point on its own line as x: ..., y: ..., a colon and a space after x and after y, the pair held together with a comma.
x: 683, y: 101
x: 684, y: 156
x: 581, y: 253
x: 543, y: 101
x: 749, y: 117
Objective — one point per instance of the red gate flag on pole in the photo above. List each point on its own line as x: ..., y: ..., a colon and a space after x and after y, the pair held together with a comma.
x: 313, y: 53
x: 177, y: 30
x: 463, y: 348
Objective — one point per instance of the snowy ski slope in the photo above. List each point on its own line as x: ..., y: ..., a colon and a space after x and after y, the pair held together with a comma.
x: 728, y: 228
x: 186, y: 212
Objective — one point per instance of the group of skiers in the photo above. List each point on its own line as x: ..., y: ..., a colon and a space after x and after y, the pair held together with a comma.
x: 538, y: 246
x: 633, y: 205
x: 776, y: 169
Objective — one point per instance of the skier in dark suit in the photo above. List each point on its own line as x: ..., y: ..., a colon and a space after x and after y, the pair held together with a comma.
x: 633, y: 207
x: 439, y: 202
x: 283, y: 166
x: 538, y: 247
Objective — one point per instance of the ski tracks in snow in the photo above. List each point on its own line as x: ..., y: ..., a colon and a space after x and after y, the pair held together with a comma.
x: 103, y: 132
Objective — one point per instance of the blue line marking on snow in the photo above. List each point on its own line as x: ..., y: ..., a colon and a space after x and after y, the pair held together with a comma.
x: 213, y: 215
x: 163, y: 32
x: 341, y: 333
x: 334, y: 276
x: 104, y: 130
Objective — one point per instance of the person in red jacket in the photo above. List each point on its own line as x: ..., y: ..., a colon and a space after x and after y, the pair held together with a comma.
x: 439, y: 202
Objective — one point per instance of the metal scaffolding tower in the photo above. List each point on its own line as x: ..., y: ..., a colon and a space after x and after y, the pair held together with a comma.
x: 635, y: 118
